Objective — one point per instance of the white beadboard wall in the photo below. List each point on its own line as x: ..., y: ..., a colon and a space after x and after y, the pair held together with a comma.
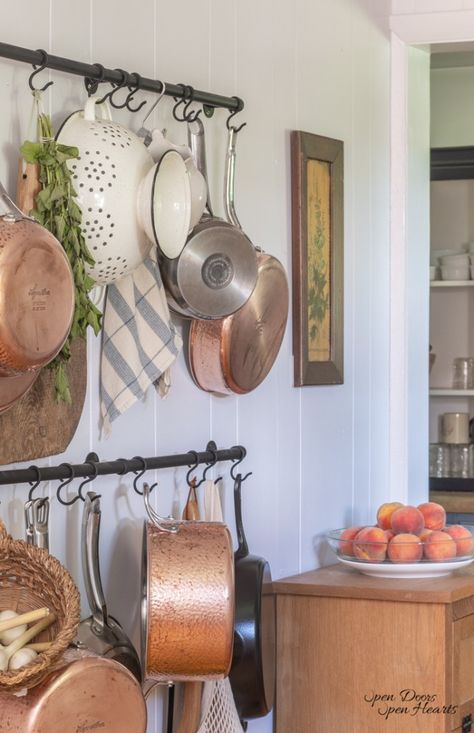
x: 319, y: 455
x: 407, y: 7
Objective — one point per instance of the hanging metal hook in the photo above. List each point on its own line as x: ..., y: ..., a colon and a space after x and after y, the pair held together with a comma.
x: 133, y: 89
x: 140, y: 474
x: 92, y: 85
x: 115, y: 88
x: 193, y: 467
x: 36, y: 483
x: 235, y: 463
x: 233, y: 113
x: 212, y: 448
x: 89, y: 478
x: 192, y: 115
x: 186, y: 90
x: 64, y: 483
x: 41, y: 67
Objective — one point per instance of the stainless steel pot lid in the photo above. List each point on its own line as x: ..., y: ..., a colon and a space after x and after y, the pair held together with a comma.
x: 216, y: 272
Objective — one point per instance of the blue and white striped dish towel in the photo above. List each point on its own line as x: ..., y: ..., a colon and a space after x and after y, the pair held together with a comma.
x: 139, y: 341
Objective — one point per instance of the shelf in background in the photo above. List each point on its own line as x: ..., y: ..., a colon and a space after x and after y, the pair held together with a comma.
x: 451, y: 283
x: 451, y: 484
x: 450, y: 392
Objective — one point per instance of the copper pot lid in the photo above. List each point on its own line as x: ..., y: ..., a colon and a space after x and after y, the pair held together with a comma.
x: 12, y: 388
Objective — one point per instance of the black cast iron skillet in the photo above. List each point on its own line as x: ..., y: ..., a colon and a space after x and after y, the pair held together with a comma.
x: 252, y: 675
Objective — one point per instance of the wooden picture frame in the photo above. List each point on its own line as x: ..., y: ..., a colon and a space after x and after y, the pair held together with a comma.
x: 317, y: 182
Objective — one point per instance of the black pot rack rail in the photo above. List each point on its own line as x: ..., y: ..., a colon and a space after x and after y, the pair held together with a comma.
x: 96, y: 74
x: 93, y: 467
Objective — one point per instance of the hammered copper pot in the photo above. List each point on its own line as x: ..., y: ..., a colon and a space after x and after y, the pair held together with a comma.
x: 187, y: 600
x: 85, y: 695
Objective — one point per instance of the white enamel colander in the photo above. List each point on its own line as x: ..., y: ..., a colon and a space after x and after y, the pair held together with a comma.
x: 112, y: 164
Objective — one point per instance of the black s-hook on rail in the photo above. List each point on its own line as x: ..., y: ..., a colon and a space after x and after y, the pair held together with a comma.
x: 120, y: 466
x: 97, y: 72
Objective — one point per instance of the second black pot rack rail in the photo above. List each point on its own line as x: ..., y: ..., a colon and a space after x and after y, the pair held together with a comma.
x: 121, y: 466
x: 98, y: 73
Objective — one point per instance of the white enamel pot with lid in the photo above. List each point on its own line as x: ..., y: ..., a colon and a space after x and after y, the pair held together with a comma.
x: 120, y: 192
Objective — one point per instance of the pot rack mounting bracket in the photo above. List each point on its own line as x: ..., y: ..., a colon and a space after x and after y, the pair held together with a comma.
x: 98, y: 73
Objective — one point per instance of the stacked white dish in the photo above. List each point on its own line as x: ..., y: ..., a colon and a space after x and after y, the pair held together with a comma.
x: 455, y: 267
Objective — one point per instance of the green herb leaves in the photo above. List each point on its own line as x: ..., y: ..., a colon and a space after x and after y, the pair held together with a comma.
x: 57, y: 210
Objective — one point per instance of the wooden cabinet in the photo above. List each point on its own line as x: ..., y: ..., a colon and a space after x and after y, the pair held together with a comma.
x: 366, y: 655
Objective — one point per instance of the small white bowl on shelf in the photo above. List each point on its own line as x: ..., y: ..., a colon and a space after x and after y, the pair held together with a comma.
x: 451, y: 272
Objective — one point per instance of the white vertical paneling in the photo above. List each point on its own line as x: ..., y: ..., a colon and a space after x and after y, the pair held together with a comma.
x: 318, y: 454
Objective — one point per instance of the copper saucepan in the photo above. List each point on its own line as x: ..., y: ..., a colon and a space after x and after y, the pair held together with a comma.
x: 187, y: 599
x: 36, y: 292
x: 235, y: 354
x: 85, y: 695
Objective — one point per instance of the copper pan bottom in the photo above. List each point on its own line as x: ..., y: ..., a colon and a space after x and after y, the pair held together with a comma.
x: 12, y: 388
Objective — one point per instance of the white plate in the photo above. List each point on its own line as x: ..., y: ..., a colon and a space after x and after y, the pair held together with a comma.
x: 407, y: 570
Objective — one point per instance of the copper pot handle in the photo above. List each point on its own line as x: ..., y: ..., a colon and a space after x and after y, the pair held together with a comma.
x: 162, y: 523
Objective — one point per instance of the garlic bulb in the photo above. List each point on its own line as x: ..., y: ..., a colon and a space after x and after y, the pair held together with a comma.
x: 6, y: 637
x: 22, y: 657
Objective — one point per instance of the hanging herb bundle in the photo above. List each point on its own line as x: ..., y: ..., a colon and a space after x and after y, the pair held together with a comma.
x: 57, y: 210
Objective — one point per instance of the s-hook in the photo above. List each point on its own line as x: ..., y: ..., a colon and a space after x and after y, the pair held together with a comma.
x: 140, y: 474
x: 236, y: 463
x: 212, y: 448
x: 193, y: 467
x: 133, y: 89
x: 36, y: 483
x: 64, y: 483
x: 92, y: 85
x: 235, y: 112
x: 44, y: 62
x: 91, y: 459
x: 187, y: 99
x: 123, y: 83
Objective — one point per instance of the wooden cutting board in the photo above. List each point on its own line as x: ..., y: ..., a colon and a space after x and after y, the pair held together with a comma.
x: 38, y: 426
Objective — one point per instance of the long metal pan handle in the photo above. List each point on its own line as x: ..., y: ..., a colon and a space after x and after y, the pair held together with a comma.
x: 243, y: 548
x: 197, y: 143
x: 90, y: 558
x: 229, y: 180
x: 8, y: 208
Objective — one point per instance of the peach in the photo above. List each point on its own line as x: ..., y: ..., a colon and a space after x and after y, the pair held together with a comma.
x: 370, y: 544
x: 424, y: 534
x: 439, y: 546
x: 407, y: 519
x: 389, y: 533
x: 433, y: 514
x: 384, y: 514
x: 462, y: 537
x: 405, y: 548
x: 346, y: 548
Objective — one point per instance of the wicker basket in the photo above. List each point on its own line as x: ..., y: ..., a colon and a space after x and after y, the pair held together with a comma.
x: 31, y: 578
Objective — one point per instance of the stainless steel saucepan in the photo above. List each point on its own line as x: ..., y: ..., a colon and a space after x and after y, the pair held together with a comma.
x: 101, y: 633
x: 216, y: 271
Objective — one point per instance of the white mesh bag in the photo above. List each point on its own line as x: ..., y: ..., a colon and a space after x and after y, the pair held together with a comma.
x: 218, y: 713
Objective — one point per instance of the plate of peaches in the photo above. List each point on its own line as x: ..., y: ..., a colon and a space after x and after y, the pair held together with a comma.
x: 406, y: 542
